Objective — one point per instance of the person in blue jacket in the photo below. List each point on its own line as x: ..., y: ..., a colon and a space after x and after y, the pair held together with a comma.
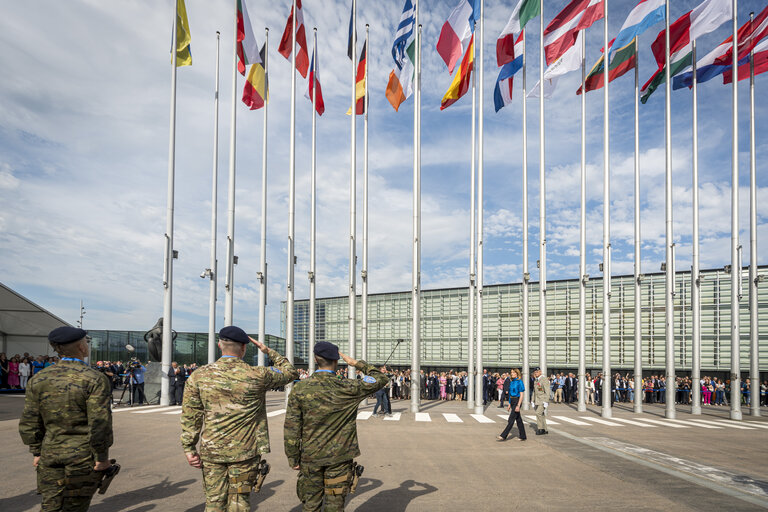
x: 516, y: 390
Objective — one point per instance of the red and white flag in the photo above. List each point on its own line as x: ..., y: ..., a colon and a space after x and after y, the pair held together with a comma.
x: 456, y: 33
x: 286, y: 46
x: 314, y: 85
x: 562, y: 31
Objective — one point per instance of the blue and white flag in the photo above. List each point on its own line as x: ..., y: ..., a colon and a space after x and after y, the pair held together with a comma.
x: 645, y: 14
x: 404, y: 35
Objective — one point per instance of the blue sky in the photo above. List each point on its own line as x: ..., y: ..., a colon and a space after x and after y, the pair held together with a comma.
x: 84, y: 105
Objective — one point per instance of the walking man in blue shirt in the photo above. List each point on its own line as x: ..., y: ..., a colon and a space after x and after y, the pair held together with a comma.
x: 516, y: 390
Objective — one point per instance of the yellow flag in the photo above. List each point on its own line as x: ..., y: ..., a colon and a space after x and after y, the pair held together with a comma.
x: 183, y: 36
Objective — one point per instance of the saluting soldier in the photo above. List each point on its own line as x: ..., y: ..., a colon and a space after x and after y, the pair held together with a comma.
x: 67, y: 424
x: 224, y: 408
x: 321, y: 430
x: 540, y: 400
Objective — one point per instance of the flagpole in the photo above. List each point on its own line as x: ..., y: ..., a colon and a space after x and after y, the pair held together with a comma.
x: 262, y: 275
x: 638, y: 277
x: 167, y: 348
x: 229, y: 281
x: 289, y: 341
x: 353, y: 201
x: 542, y: 210
x: 735, y: 247
x: 695, y: 277
x: 479, y: 303
x: 669, y: 301
x: 416, y: 277
x: 754, y: 354
x: 472, y: 267
x: 364, y: 274
x: 526, y: 275
x: 212, y: 275
x: 313, y: 211
x: 582, y: 406
x: 606, y: 411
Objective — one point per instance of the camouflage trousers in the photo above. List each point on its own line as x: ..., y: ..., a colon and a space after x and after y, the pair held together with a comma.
x: 66, y: 482
x: 228, y: 485
x: 317, y: 482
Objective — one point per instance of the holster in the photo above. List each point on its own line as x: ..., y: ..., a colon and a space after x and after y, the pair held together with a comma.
x: 262, y: 471
x: 245, y: 483
x: 357, y: 470
x: 108, y: 476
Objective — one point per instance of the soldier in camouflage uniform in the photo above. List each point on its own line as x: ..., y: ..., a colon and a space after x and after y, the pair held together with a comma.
x: 226, y: 401
x: 67, y: 424
x: 321, y: 429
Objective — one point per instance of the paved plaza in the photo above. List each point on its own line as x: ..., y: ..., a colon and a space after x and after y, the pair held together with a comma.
x: 446, y: 457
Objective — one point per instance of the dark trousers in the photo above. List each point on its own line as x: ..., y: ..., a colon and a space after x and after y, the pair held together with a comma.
x: 138, y: 394
x: 382, y: 400
x: 514, y: 417
x: 176, y: 393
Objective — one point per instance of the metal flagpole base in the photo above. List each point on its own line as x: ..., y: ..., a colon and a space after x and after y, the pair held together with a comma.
x: 696, y: 409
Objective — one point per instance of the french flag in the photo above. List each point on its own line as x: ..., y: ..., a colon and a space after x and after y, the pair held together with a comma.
x: 457, y: 31
x: 314, y: 78
x: 645, y: 14
x: 502, y: 93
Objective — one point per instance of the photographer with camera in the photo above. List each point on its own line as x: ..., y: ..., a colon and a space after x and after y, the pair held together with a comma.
x: 136, y: 372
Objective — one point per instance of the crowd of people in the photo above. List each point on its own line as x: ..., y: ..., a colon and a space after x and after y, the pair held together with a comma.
x: 16, y: 371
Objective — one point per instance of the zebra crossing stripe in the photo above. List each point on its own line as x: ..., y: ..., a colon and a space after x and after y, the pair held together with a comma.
x: 482, y: 418
x: 275, y: 413
x: 394, y: 417
x: 173, y: 412
x: 533, y: 419
x: 423, y: 416
x: 663, y: 423
x: 129, y: 409
x: 636, y: 423
x: 601, y: 421
x: 452, y: 418
x: 731, y: 424
x: 156, y: 409
x: 756, y: 424
x: 364, y: 415
x: 684, y: 422
x: 571, y: 420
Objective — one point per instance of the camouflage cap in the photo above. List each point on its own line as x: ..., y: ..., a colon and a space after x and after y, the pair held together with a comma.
x: 233, y: 333
x: 65, y: 334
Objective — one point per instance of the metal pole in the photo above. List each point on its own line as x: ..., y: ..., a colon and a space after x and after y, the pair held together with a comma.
x: 542, y: 210
x: 353, y: 203
x: 313, y: 212
x: 735, y: 263
x: 364, y: 275
x: 415, y: 284
x: 229, y: 283
x: 582, y: 388
x: 214, y: 207
x: 607, y: 379
x: 479, y: 304
x: 262, y: 275
x: 638, y: 270
x: 669, y: 293
x: 167, y: 348
x: 695, y: 277
x: 472, y: 262
x: 526, y: 275
x: 754, y: 354
x: 289, y: 312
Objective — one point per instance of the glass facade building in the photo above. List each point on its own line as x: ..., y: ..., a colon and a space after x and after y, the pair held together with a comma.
x: 188, y: 348
x: 444, y: 322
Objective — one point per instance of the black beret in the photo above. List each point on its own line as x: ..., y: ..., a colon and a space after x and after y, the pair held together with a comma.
x: 535, y: 369
x: 233, y: 333
x: 66, y: 334
x: 327, y: 350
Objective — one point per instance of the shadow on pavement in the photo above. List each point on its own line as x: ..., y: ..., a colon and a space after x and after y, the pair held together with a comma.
x: 159, y: 491
x: 397, y: 500
x: 21, y: 501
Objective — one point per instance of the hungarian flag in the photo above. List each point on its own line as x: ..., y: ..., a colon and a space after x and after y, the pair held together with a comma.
x: 562, y: 31
x: 256, y: 90
x: 505, y: 44
x: 247, y: 48
x: 286, y: 42
x: 314, y: 85
x: 183, y: 37
x: 462, y: 78
x: 360, y: 85
x: 622, y: 61
x: 702, y: 20
x: 457, y: 31
x: 761, y: 64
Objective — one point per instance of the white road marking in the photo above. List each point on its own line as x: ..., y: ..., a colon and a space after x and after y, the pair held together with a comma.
x: 156, y: 409
x: 636, y: 423
x: 364, y: 415
x: 684, y: 422
x: 173, y: 412
x: 601, y: 421
x: 533, y: 418
x: 571, y: 420
x: 423, y: 416
x: 663, y: 423
x: 275, y: 413
x: 147, y: 409
x: 482, y: 418
x: 452, y: 418
x: 756, y: 424
x: 731, y: 424
x: 395, y: 417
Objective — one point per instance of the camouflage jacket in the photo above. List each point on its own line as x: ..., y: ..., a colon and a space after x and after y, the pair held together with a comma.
x: 320, y: 422
x: 224, y: 407
x: 67, y: 409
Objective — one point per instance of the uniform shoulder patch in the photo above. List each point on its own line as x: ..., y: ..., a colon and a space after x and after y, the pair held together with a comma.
x: 369, y: 380
x: 276, y: 370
